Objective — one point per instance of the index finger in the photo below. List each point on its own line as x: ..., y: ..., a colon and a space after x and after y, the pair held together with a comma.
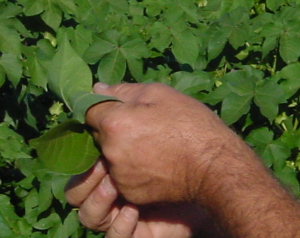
x: 80, y: 186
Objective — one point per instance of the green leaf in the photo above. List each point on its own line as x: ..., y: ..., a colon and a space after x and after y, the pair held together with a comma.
x: 68, y: 74
x: 37, y: 72
x: 13, y: 67
x: 83, y: 101
x: 45, y: 50
x: 120, y: 6
x: 216, y: 44
x: 9, y: 41
x: 93, y: 13
x: 273, y: 153
x: 6, y: 132
x: 277, y: 152
x: 67, y: 148
x: 8, y: 218
x: 97, y: 50
x: 185, y: 53
x: 242, y: 85
x: 81, y: 38
x: 31, y: 206
x: 52, y: 15
x: 47, y: 222
x: 11, y: 225
x: 191, y: 83
x: 9, y: 11
x: 291, y: 138
x: 292, y: 83
x: 273, y: 5
x: 58, y: 183
x: 11, y: 149
x: 70, y: 78
x: 32, y: 7
x: 260, y: 139
x: 136, y: 48
x: 160, y: 36
x: 188, y: 7
x: 269, y: 44
x: 68, y: 6
x: 238, y: 26
x: 289, y: 47
x: 288, y: 177
x: 69, y: 226
x: 112, y: 68
x: 234, y: 106
x: 267, y: 97
x: 134, y: 51
x: 45, y: 195
x: 2, y: 76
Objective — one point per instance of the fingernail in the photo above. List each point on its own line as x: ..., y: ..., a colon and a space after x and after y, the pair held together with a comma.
x: 129, y: 212
x: 101, y: 85
x: 107, y: 186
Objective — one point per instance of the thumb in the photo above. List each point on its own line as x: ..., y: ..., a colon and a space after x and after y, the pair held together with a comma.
x: 101, y: 88
x: 126, y: 92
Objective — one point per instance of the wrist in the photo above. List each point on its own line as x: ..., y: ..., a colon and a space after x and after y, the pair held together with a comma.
x: 242, y: 195
x: 235, y: 165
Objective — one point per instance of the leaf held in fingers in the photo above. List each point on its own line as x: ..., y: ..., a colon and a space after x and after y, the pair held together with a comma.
x: 83, y: 101
x: 68, y: 148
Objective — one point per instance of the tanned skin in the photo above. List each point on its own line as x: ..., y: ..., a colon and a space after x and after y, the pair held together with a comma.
x: 166, y: 153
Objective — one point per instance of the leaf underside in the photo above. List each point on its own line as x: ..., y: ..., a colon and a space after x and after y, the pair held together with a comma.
x: 68, y: 148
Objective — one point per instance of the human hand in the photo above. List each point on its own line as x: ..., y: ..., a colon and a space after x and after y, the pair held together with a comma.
x: 159, y: 144
x: 101, y: 209
x: 162, y: 146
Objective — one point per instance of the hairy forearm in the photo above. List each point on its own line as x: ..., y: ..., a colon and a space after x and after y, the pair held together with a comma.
x: 246, y: 199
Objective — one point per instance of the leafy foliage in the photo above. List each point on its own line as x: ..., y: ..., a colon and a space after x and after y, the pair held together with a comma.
x: 240, y: 57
